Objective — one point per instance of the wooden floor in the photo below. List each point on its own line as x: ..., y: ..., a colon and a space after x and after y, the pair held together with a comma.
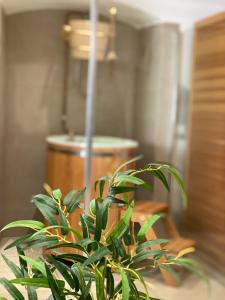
x: 192, y: 288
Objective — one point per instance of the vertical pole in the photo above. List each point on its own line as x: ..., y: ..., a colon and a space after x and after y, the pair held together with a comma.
x: 91, y: 80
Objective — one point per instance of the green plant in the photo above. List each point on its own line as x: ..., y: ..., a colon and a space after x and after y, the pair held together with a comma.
x: 101, y: 252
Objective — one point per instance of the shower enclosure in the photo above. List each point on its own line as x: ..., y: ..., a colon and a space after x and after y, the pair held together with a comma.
x: 135, y: 96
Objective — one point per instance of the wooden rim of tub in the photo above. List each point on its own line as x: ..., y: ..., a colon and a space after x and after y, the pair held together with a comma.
x: 121, y: 147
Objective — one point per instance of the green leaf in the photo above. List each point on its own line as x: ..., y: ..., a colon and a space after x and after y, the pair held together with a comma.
x: 146, y: 226
x: 41, y: 241
x: 103, y: 178
x: 68, y: 245
x: 171, y: 271
x: 84, y: 226
x: 127, y: 237
x: 101, y: 187
x: 98, y: 255
x: 35, y: 263
x: 109, y: 282
x: 114, y: 190
x: 116, y: 200
x: 146, y: 254
x: 127, y: 163
x: 63, y: 223
x: 18, y: 241
x: 35, y: 225
x: 69, y: 197
x: 12, y: 290
x: 65, y: 272
x: 86, y: 291
x: 75, y: 203
x: 57, y: 194
x: 23, y: 263
x: 57, y: 292
x: 31, y: 293
x: 159, y: 174
x: 101, y: 216
x: 125, y: 285
x: 121, y: 227
x: 99, y: 283
x: 129, y: 179
x: 13, y: 267
x: 46, y: 211
x: 151, y: 243
x: 175, y: 174
x: 192, y: 266
x: 44, y: 199
x: 72, y: 257
x: 36, y: 282
x: 70, y: 229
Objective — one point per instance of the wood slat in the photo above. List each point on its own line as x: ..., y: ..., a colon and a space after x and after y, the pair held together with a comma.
x: 205, y: 216
x: 211, y: 45
x: 216, y: 84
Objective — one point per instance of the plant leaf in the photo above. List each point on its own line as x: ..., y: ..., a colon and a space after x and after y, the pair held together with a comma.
x: 109, y: 282
x: 41, y: 241
x: 159, y: 174
x: 151, y: 243
x: 128, y: 179
x: 146, y: 226
x: 13, y: 291
x: 57, y: 292
x: 57, y: 194
x: 13, y: 267
x: 121, y: 227
x: 35, y: 263
x: 75, y: 203
x: 114, y: 190
x: 46, y: 211
x: 99, y: 283
x: 96, y: 256
x: 146, y: 254
x: 72, y: 257
x: 36, y: 282
x: 18, y: 241
x: 175, y: 174
x: 47, y: 201
x: 127, y: 163
x: 31, y: 293
x: 63, y: 223
x: 69, y: 197
x: 65, y: 271
x: 35, y: 225
x: 171, y: 271
x: 125, y: 285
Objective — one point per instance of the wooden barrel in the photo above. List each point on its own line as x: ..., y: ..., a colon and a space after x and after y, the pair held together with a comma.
x: 66, y: 163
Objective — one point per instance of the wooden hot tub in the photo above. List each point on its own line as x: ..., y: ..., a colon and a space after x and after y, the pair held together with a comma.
x: 66, y: 161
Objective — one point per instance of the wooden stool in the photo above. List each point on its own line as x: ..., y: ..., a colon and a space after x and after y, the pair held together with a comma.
x: 145, y: 208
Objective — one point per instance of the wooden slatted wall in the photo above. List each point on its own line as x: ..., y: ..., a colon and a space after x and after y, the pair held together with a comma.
x: 206, y: 154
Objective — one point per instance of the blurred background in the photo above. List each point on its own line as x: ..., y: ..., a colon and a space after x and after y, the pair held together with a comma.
x: 160, y: 91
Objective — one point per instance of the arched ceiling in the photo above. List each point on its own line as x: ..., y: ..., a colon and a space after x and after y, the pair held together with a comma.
x: 138, y: 13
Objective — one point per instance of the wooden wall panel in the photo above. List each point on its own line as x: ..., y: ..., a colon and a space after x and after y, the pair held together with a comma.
x: 205, y: 216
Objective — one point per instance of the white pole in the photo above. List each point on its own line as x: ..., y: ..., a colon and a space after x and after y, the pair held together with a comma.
x: 91, y: 80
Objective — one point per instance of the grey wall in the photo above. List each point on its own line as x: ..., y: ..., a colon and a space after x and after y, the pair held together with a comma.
x: 114, y: 92
x: 156, y: 94
x: 180, y: 143
x: 34, y: 86
x: 1, y: 111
